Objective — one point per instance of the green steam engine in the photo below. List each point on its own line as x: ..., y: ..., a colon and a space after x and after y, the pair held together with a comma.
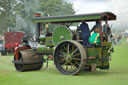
x: 65, y: 45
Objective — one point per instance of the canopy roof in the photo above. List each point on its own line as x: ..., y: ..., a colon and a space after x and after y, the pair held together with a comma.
x: 75, y: 18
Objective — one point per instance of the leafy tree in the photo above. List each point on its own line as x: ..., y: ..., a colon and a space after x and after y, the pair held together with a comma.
x: 7, y: 14
x: 56, y: 7
x: 9, y: 9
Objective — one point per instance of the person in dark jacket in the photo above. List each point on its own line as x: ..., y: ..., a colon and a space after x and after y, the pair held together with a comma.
x: 85, y: 33
x: 97, y: 25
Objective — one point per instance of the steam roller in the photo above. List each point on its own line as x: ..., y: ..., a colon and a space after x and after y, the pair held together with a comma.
x: 28, y: 60
x: 69, y: 55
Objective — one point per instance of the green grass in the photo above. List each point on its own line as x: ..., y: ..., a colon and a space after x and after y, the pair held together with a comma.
x: 117, y: 75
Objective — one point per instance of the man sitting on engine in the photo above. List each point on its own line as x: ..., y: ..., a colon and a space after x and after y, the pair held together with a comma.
x: 94, y: 39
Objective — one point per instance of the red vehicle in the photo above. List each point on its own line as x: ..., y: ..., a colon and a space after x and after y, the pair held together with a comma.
x: 11, y: 40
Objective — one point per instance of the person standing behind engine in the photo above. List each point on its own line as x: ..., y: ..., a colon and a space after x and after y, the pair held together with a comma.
x: 85, y: 33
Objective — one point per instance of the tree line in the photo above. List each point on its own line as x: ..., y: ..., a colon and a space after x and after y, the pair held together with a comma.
x: 10, y: 9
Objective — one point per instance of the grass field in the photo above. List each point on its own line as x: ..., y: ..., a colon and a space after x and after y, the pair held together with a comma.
x: 117, y: 75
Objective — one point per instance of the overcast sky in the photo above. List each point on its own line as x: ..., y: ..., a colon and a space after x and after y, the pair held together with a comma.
x: 119, y: 7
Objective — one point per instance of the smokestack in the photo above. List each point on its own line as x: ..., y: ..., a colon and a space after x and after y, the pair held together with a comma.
x: 38, y: 27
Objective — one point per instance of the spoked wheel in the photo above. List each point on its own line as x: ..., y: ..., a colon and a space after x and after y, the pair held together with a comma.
x: 70, y: 57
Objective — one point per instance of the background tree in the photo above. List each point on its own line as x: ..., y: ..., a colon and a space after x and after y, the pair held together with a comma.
x: 7, y: 14
x: 20, y: 12
x: 56, y: 7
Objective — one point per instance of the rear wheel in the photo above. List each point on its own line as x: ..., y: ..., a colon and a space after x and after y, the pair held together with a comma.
x: 70, y: 57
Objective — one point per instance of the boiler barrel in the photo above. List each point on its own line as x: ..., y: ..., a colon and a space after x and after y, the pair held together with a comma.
x: 43, y: 48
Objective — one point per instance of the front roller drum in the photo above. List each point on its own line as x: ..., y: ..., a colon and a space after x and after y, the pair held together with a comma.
x: 28, y: 60
x: 70, y: 57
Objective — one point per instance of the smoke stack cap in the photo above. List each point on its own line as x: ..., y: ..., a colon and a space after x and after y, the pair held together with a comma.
x: 37, y: 15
